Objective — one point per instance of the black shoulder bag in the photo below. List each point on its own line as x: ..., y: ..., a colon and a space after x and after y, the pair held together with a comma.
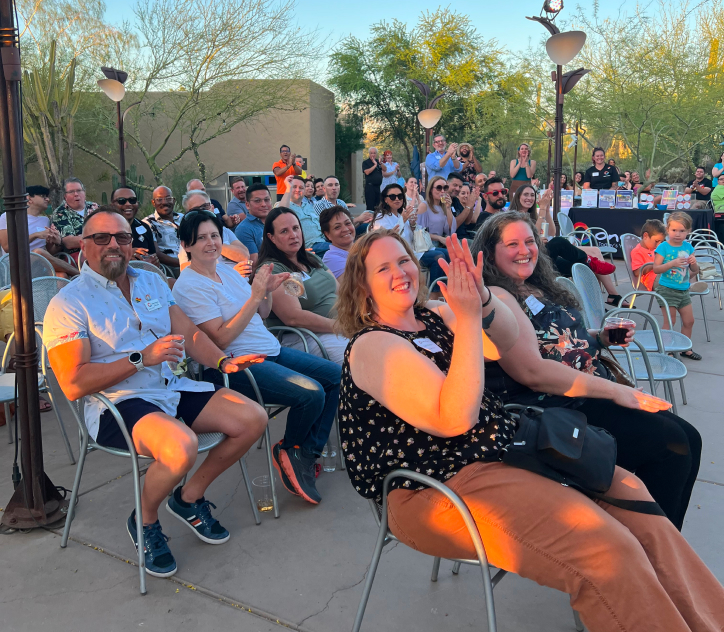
x: 559, y: 444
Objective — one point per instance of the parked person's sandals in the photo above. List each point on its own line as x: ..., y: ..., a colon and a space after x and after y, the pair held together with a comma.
x: 614, y: 299
x: 691, y: 355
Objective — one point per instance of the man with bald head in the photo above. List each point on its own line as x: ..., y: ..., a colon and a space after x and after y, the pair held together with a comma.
x: 113, y: 331
x: 372, y: 168
x: 217, y: 208
x: 164, y: 223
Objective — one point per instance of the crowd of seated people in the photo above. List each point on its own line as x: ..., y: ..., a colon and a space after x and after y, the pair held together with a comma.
x: 502, y: 332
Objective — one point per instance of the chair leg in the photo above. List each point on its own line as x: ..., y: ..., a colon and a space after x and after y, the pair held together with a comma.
x: 668, y: 389
x: 706, y: 322
x: 249, y: 490
x: 139, y: 525
x: 683, y: 392
x: 456, y: 568
x: 74, y: 494
x: 260, y: 443
x: 381, y: 541
x: 61, y: 425
x: 435, y: 569
x: 269, y: 459
x: 577, y: 622
x: 340, y: 456
x: 9, y: 422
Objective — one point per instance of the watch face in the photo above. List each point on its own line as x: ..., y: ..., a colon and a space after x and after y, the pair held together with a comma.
x: 135, y: 357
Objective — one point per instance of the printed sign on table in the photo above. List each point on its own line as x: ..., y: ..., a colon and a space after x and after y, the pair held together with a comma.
x: 589, y: 198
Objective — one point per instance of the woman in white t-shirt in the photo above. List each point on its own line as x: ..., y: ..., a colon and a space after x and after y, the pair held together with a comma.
x: 226, y: 308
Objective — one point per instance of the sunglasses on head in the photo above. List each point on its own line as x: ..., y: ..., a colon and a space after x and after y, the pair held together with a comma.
x: 440, y: 187
x: 498, y: 192
x: 395, y: 196
x: 103, y: 239
x: 123, y: 201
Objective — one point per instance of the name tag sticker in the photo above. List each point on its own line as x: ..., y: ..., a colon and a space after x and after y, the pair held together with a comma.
x: 153, y: 305
x: 305, y: 277
x: 534, y: 305
x: 595, y: 173
x: 140, y: 230
x: 427, y: 345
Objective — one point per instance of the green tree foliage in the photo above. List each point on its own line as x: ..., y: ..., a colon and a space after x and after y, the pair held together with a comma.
x: 348, y: 135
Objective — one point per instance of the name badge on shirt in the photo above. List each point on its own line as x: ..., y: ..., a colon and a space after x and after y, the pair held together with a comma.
x: 595, y: 173
x: 140, y: 230
x: 153, y: 305
x: 427, y: 345
x: 534, y: 305
x: 305, y: 277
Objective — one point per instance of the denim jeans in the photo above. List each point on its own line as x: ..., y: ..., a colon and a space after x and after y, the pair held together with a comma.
x: 320, y: 248
x: 429, y: 259
x: 307, y: 384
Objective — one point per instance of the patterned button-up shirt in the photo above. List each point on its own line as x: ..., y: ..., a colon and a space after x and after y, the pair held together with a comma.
x: 94, y: 308
x: 69, y: 222
x: 166, y: 232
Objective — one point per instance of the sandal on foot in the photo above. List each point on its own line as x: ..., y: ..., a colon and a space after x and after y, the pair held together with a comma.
x: 615, y: 301
x: 692, y: 355
x: 44, y: 406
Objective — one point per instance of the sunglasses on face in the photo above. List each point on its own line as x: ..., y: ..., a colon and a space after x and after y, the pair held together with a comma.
x: 497, y: 193
x: 123, y: 201
x: 440, y: 187
x: 103, y: 239
x: 395, y: 196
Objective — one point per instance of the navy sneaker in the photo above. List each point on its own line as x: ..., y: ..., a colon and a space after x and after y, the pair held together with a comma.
x: 276, y: 459
x: 300, y: 470
x: 197, y: 516
x: 159, y: 560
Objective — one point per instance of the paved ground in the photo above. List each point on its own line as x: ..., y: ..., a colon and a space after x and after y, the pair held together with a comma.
x: 303, y: 571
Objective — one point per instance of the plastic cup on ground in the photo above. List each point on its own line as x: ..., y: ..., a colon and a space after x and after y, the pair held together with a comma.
x: 617, y: 329
x: 262, y: 493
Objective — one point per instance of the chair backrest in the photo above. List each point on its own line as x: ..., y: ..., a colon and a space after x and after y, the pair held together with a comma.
x: 571, y: 287
x: 590, y: 291
x: 565, y: 223
x: 4, y: 270
x: 40, y: 266
x: 44, y: 289
x: 148, y: 267
x: 628, y: 243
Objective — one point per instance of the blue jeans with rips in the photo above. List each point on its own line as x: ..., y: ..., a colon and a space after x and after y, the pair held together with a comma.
x: 307, y: 384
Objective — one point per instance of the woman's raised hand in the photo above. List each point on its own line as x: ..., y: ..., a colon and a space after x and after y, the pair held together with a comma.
x: 461, y: 252
x: 460, y: 292
x: 265, y: 282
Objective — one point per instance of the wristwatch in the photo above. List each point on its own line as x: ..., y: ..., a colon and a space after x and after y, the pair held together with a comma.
x: 136, y: 359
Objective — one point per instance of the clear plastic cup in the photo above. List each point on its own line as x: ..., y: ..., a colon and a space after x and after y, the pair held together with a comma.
x: 617, y: 329
x: 262, y: 493
x: 683, y: 259
x: 174, y: 366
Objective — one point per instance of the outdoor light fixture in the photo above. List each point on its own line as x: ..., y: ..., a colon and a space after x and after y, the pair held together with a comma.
x: 552, y: 6
x: 429, y: 118
x: 563, y: 47
x: 114, y: 90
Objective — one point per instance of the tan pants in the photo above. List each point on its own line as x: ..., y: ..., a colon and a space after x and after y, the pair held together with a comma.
x: 624, y: 571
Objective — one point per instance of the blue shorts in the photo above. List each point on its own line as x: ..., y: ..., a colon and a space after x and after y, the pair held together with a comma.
x: 132, y: 410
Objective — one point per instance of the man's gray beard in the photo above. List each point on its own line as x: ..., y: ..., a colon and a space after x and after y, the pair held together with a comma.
x: 113, y: 269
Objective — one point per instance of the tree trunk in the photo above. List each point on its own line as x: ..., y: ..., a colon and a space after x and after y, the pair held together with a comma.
x: 199, y: 162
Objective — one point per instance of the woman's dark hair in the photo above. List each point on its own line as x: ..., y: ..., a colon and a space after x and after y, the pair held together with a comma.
x: 188, y: 229
x: 544, y: 275
x: 383, y: 208
x: 329, y: 213
x: 516, y: 205
x: 595, y: 149
x: 583, y: 175
x: 268, y: 249
x: 564, y: 184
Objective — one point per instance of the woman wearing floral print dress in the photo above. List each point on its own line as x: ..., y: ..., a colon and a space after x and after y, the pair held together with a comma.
x: 413, y: 396
x: 556, y: 362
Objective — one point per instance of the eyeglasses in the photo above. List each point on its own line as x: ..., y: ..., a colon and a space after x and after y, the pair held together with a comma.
x: 123, y: 201
x: 165, y: 199
x: 498, y: 192
x: 103, y: 239
x: 440, y: 187
x: 202, y: 207
x: 75, y: 191
x: 395, y: 196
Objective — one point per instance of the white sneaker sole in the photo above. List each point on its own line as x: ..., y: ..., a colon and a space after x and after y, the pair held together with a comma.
x: 196, y: 533
x: 150, y: 572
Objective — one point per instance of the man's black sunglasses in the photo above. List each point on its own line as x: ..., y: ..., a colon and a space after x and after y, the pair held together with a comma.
x: 103, y: 239
x: 122, y: 201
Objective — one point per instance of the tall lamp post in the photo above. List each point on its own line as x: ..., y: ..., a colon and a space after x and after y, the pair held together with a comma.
x: 429, y: 117
x: 561, y: 48
x: 114, y: 89
x: 36, y: 501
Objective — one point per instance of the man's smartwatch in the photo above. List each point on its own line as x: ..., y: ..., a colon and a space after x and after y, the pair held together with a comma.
x: 136, y: 359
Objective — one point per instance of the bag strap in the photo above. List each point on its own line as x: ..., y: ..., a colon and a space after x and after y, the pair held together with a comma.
x: 648, y: 507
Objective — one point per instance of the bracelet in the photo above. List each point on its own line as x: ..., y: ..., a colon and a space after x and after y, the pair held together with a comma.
x: 221, y: 361
x: 490, y: 298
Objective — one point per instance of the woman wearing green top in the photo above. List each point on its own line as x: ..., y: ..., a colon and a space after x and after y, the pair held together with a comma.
x: 522, y: 169
x: 283, y: 245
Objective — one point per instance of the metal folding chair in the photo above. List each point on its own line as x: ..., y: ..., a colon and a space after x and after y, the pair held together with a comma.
x: 148, y: 267
x: 385, y: 537
x: 39, y: 266
x: 652, y: 366
x: 708, y: 252
x: 567, y: 230
x: 207, y: 441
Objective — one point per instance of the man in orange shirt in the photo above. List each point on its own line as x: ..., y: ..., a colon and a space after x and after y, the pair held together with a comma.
x: 287, y: 166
